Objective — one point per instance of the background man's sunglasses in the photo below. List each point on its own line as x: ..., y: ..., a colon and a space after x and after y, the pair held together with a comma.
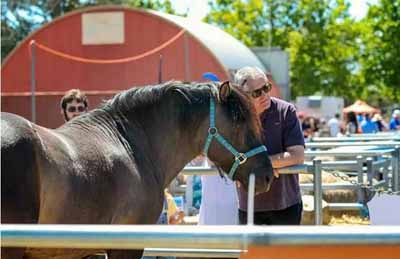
x: 257, y: 93
x: 76, y: 108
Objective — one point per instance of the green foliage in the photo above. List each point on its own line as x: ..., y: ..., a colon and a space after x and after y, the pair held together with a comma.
x: 330, y: 52
x: 380, y: 50
x: 19, y: 18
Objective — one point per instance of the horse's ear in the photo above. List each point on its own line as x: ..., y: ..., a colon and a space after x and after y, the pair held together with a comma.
x: 225, y: 91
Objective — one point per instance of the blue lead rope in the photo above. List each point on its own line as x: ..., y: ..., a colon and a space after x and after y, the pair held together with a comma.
x: 240, y: 158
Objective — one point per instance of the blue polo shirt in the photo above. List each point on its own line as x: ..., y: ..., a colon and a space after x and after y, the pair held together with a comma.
x: 281, y: 129
x: 394, y: 123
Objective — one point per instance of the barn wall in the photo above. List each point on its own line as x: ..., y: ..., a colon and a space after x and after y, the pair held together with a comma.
x: 143, y: 32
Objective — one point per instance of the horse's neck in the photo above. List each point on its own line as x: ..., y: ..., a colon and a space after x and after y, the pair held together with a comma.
x: 169, y: 145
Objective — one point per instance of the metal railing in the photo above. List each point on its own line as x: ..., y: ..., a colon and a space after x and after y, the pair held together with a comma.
x: 216, y: 241
x: 391, y: 163
x: 332, y: 144
x: 191, y: 237
x: 394, y: 137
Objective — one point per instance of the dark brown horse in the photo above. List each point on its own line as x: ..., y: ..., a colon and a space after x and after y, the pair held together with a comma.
x: 111, y: 165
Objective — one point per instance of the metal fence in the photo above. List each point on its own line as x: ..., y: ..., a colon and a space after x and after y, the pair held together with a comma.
x: 363, y: 163
x: 220, y: 241
x: 190, y: 237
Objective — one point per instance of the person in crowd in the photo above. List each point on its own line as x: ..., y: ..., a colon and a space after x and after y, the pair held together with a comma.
x: 334, y: 125
x: 367, y: 126
x: 360, y: 118
x: 219, y: 205
x: 175, y: 215
x: 306, y: 127
x: 283, y: 137
x: 73, y: 104
x: 324, y: 130
x: 380, y: 123
x: 395, y: 120
x: 351, y: 123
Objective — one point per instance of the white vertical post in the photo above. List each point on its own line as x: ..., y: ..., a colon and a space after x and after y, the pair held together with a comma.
x: 360, y: 180
x: 317, y: 191
x: 250, y: 200
x: 396, y: 169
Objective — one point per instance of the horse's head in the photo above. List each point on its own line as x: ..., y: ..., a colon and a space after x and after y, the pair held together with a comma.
x: 234, y: 141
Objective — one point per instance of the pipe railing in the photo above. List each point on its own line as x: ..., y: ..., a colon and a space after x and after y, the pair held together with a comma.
x: 326, y: 145
x: 316, y: 167
x: 348, y: 153
x: 394, y: 137
x: 211, y: 241
x: 191, y: 237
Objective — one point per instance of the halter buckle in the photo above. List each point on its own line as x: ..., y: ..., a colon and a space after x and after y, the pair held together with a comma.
x: 213, y: 131
x: 242, y: 158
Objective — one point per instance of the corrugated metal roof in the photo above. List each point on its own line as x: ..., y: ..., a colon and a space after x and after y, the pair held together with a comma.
x: 230, y: 52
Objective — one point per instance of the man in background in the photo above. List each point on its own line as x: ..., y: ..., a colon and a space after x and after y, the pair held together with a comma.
x: 73, y: 104
x: 334, y: 125
x: 394, y: 123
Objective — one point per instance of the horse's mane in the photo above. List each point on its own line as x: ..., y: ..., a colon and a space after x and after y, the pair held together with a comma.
x: 238, y: 104
x: 146, y: 96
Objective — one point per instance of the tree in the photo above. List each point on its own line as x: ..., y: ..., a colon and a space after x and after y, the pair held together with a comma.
x: 380, y: 51
x: 19, y: 18
x: 323, y: 40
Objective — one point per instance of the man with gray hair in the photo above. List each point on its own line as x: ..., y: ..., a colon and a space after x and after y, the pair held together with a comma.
x: 283, y: 137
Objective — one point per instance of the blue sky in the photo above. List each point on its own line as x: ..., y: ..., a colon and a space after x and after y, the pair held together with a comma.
x: 199, y: 8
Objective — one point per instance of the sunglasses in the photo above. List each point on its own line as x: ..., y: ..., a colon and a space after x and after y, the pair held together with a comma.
x: 258, y: 92
x: 76, y: 108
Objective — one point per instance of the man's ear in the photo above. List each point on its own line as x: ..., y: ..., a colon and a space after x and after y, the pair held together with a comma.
x: 225, y: 91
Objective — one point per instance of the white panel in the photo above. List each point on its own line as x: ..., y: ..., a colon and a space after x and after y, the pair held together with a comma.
x: 103, y: 28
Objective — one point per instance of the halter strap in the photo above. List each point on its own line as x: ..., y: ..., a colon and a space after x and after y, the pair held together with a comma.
x: 240, y: 158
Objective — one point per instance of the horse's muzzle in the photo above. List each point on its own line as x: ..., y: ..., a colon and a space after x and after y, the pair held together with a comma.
x: 263, y: 180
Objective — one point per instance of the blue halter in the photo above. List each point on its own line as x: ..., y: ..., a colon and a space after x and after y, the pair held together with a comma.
x: 240, y: 158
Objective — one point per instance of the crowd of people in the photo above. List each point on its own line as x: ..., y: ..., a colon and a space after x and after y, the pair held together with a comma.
x: 352, y: 123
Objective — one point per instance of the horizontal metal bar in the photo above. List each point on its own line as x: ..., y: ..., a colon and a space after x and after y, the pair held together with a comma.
x: 193, y: 237
x: 345, y: 206
x: 200, y: 171
x: 297, y: 169
x: 381, y: 162
x: 356, y: 139
x: 378, y: 134
x: 344, y: 165
x: 203, y: 253
x: 329, y: 186
x: 348, y: 153
x: 350, y: 144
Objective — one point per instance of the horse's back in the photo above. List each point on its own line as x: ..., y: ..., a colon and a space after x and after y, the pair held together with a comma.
x: 19, y: 179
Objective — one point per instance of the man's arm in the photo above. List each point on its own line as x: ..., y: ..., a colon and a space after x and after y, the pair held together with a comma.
x: 293, y: 156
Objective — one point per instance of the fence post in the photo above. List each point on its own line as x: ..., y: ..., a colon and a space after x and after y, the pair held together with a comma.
x: 370, y: 170
x: 250, y: 200
x: 317, y: 191
x: 395, y: 169
x: 360, y: 179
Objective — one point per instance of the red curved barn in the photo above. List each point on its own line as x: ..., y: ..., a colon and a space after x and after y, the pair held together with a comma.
x: 103, y: 50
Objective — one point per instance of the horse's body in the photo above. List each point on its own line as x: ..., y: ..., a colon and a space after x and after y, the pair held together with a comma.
x: 110, y: 166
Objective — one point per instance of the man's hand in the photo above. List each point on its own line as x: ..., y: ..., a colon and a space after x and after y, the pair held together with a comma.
x: 294, y: 155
